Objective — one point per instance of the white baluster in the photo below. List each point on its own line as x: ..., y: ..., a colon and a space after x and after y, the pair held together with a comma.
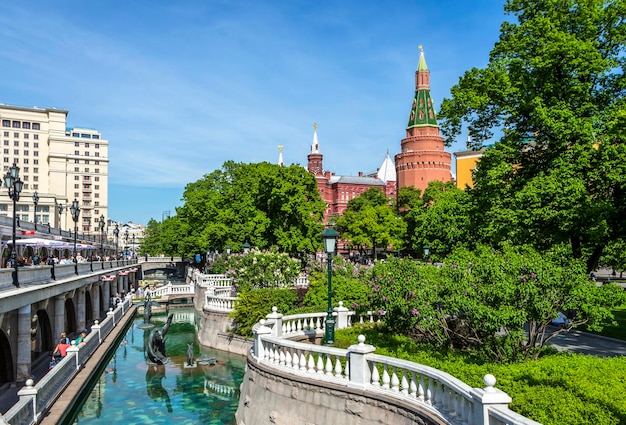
x: 375, y: 375
x: 395, y: 382
x: 320, y: 364
x: 405, y: 384
x: 347, y: 370
x: 302, y: 361
x: 311, y: 364
x: 337, y: 367
x: 429, y: 391
x: 386, y: 379
x: 296, y: 360
x: 288, y: 358
x: 282, y: 357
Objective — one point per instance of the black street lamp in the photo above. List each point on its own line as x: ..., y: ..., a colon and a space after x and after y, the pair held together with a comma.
x: 116, y: 233
x: 101, y: 226
x: 15, y: 185
x: 426, y: 249
x: 60, y: 209
x: 228, y: 250
x: 246, y: 247
x: 133, y: 244
x: 125, y: 239
x: 36, y: 202
x: 75, y: 211
x: 329, y: 236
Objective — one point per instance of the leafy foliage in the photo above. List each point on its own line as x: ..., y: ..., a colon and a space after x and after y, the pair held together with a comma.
x: 252, y: 306
x: 369, y: 221
x: 482, y: 300
x: 258, y: 269
x: 555, y: 85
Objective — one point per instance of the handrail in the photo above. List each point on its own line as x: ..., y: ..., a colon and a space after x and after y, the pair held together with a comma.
x: 36, y: 399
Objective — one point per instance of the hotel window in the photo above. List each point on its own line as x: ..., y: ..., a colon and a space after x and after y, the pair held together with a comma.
x: 96, y: 204
x: 97, y: 195
x: 86, y: 170
x: 25, y: 144
x: 25, y: 178
x: 97, y: 154
x: 97, y: 170
x: 76, y: 186
x: 95, y: 136
x: 26, y: 153
x: 76, y: 169
x: 17, y: 124
x: 36, y: 144
x: 75, y: 135
x: 97, y: 178
x: 6, y: 143
x: 26, y: 136
x: 26, y: 160
x: 35, y: 178
x: 6, y: 159
x: 16, y: 151
x: 76, y: 194
x: 16, y: 135
x: 76, y: 144
x: 97, y: 162
x: 97, y: 145
x: 35, y: 126
x: 86, y: 145
x: 86, y: 153
x: 36, y: 161
x: 6, y: 123
x: 86, y: 161
x: 76, y: 153
x: 25, y: 169
x: 35, y: 170
x: 6, y: 134
x: 76, y: 178
x: 76, y: 161
x: 35, y: 186
x: 86, y: 178
x: 85, y: 136
x: 26, y: 125
x: 25, y: 218
x: 16, y: 142
x: 36, y: 136
x: 6, y: 151
x: 35, y: 153
x: 97, y: 187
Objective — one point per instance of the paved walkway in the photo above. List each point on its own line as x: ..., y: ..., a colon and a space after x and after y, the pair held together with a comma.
x: 586, y: 343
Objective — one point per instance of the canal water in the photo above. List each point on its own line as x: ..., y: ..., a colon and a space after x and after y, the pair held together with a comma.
x: 129, y: 391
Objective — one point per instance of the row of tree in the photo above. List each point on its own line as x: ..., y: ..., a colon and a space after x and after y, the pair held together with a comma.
x: 553, y: 90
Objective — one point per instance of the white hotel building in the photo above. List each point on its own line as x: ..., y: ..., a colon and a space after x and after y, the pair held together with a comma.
x: 60, y: 163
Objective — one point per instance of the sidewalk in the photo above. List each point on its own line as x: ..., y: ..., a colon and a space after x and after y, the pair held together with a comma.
x: 586, y: 343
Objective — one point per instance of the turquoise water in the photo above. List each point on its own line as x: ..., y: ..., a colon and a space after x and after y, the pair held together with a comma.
x: 129, y: 391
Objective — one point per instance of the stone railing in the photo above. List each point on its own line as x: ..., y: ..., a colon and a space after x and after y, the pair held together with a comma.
x: 36, y: 399
x: 33, y: 275
x: 219, y: 303
x: 171, y: 289
x: 160, y: 259
x: 422, y: 387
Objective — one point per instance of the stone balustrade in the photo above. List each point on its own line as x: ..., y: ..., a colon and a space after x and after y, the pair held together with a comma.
x: 220, y: 304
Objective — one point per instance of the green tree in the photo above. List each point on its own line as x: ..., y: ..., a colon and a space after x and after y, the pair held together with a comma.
x: 369, y: 222
x: 263, y: 204
x: 151, y: 242
x: 555, y: 86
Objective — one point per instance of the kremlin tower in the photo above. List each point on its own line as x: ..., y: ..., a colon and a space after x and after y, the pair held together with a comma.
x: 422, y: 158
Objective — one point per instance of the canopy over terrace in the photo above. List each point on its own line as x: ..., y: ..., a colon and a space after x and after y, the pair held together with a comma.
x: 46, y: 247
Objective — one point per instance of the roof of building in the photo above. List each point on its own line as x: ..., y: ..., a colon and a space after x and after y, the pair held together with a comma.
x: 422, y: 110
x: 387, y: 171
x: 369, y: 181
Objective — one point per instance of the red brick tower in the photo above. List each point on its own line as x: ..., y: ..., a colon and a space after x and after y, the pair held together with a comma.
x: 422, y: 158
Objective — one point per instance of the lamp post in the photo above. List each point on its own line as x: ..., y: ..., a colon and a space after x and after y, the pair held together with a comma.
x: 75, y: 211
x: 116, y: 233
x: 125, y: 239
x: 36, y: 202
x: 15, y: 185
x: 101, y: 226
x: 426, y: 249
x: 246, y: 247
x: 329, y: 236
x: 228, y: 250
x: 133, y: 245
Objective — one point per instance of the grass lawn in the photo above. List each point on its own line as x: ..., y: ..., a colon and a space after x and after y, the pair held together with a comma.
x: 619, y: 331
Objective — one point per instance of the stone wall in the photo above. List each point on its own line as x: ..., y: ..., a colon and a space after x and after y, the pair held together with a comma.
x: 214, y: 331
x: 269, y: 397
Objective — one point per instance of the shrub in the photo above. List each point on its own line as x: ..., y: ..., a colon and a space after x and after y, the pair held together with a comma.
x: 254, y: 305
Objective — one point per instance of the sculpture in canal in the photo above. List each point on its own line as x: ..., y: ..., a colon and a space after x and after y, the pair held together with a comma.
x: 154, y: 386
x: 147, y: 305
x: 155, y: 347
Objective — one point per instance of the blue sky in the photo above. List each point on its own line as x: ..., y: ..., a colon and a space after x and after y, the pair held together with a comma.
x: 180, y: 87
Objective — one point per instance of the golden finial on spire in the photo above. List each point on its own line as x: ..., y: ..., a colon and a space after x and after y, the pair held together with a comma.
x: 314, y: 126
x: 421, y: 48
x: 280, y: 148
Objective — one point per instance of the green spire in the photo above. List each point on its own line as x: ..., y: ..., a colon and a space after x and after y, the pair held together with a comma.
x: 422, y: 111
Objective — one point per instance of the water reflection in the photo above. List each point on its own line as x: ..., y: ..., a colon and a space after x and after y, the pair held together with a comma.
x: 132, y: 391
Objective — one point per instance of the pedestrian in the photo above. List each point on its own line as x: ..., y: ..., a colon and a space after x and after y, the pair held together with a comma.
x: 59, y: 352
